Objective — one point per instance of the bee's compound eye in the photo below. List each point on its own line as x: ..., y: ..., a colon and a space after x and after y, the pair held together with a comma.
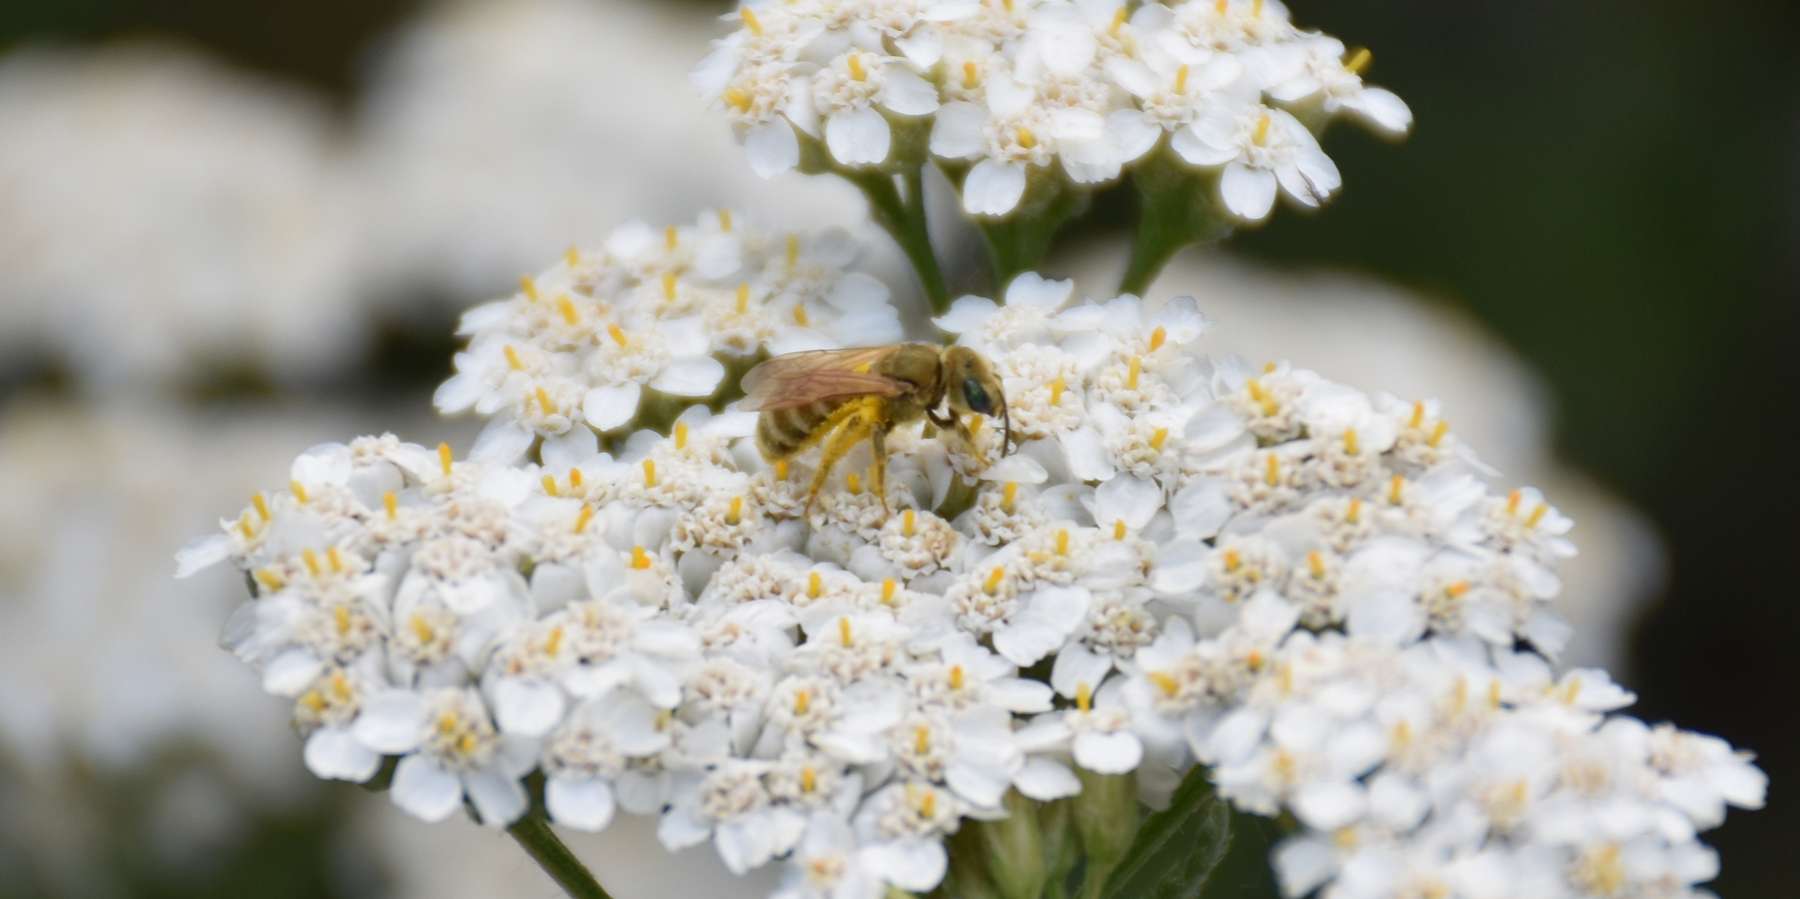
x: 977, y: 397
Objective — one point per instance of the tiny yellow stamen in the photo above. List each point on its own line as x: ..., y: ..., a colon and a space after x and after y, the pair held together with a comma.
x: 465, y: 744
x: 781, y: 470
x: 312, y: 562
x: 1359, y: 61
x: 1119, y: 529
x: 574, y: 477
x: 681, y: 435
x: 738, y: 98
x: 1158, y: 337
x: 1351, y: 445
x: 1537, y: 515
x: 793, y: 251
x: 1438, y: 433
x: 669, y: 285
x: 971, y: 75
x: 921, y: 739
x: 888, y: 588
x: 391, y: 502
x: 1396, y: 490
x: 750, y: 20
x: 566, y: 307
x: 1118, y: 20
x: 649, y: 472
x: 800, y: 316
x: 336, y: 559
x: 1512, y: 501
x: 1457, y: 590
x: 1418, y: 416
x: 815, y: 585
x: 572, y: 257
x: 245, y: 528
x: 549, y: 485
x: 1256, y: 9
x: 1181, y: 79
x: 1232, y: 560
x: 1026, y: 138
x: 928, y: 801
x: 909, y: 522
x: 512, y: 358
x: 1057, y: 386
x: 853, y: 483
x: 845, y: 637
x: 581, y: 520
x: 529, y: 287
x: 1353, y: 512
x: 857, y: 71
x: 553, y: 641
x: 743, y: 298
x: 1062, y: 542
x: 993, y: 579
x: 617, y: 333
x: 1316, y: 563
x: 262, y: 506
x: 802, y: 701
x: 422, y: 629
x: 809, y: 779
x: 1219, y: 6
x: 725, y: 220
x: 447, y: 722
x: 640, y: 560
x: 543, y: 400
x: 1084, y: 697
x: 313, y: 700
x: 270, y: 580
x: 1493, y: 693
x: 1260, y: 136
x: 1571, y: 690
x: 1164, y: 682
x: 735, y: 513
x: 1272, y: 470
x: 299, y: 491
x: 1135, y: 369
x: 672, y: 237
x: 1159, y: 437
x: 1009, y: 496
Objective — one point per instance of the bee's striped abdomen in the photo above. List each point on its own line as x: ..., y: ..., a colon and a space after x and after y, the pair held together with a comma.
x: 780, y: 433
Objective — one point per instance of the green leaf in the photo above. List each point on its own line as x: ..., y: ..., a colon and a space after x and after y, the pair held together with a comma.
x: 1178, y: 849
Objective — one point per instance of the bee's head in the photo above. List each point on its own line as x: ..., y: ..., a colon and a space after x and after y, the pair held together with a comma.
x: 971, y: 386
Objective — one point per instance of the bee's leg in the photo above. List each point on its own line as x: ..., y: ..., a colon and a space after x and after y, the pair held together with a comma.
x: 878, y: 472
x: 848, y: 434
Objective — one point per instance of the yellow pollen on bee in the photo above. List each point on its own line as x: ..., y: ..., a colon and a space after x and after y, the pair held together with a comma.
x: 888, y: 587
x: 853, y: 483
x: 781, y: 470
x: 269, y: 580
x: 993, y: 579
x: 1537, y: 515
x: 581, y: 520
x: 809, y: 779
x: 815, y: 585
x: 566, y: 307
x: 1316, y: 563
x: 1418, y: 415
x: 1359, y: 61
x: 649, y: 472
x: 802, y: 701
x: 1352, y: 446
x: 1062, y: 541
x: 391, y: 502
x: 1119, y: 529
x: 975, y: 423
x: 1232, y: 561
x: 1181, y: 80
x: 725, y: 220
x: 845, y: 637
x: 857, y: 71
x: 971, y: 75
x: 1057, y: 386
x: 1272, y: 470
x: 1118, y: 20
x: 1164, y: 682
x: 550, y: 485
x: 1084, y: 697
x: 1396, y: 490
x: 735, y: 513
x: 1009, y: 496
x: 640, y: 560
x: 669, y: 285
x: 262, y: 506
x: 572, y: 257
x: 1353, y: 512
x: 800, y: 316
x: 681, y: 435
x: 743, y: 298
x: 422, y: 629
x: 1132, y: 371
x: 1438, y: 433
x: 1512, y: 501
x: 909, y: 522
x: 750, y: 20
x: 1159, y: 437
x: 512, y: 358
x: 543, y: 401
x: 336, y: 559
x: 528, y: 286
x: 793, y: 251
x: 340, y: 618
x: 299, y: 491
x: 1026, y: 139
x: 1260, y: 136
x: 1457, y: 589
x: 617, y: 334
x: 738, y: 98
x: 312, y: 562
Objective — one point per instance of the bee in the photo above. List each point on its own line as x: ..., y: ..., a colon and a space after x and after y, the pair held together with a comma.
x: 839, y: 398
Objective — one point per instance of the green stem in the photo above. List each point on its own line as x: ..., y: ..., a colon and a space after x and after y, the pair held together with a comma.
x: 903, y: 218
x: 1175, y: 209
x: 534, y: 835
x: 1019, y: 242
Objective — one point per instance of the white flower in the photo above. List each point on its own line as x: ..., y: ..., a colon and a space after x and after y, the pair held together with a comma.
x: 589, y: 752
x: 1260, y: 148
x: 846, y: 93
x: 450, y: 749
x: 829, y: 864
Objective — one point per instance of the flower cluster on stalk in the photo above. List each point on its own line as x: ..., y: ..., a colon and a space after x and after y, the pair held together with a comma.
x: 1019, y: 98
x: 1188, y: 560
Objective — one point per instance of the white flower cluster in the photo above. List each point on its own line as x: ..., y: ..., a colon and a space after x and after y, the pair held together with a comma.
x: 580, y: 346
x: 1187, y: 561
x: 1014, y: 88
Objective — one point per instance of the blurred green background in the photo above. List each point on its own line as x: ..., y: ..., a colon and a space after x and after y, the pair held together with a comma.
x: 1611, y: 186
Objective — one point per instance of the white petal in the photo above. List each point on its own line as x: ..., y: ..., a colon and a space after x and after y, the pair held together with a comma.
x: 1088, y: 459
x: 1045, y: 779
x: 425, y: 790
x: 201, y: 554
x: 499, y: 800
x: 908, y: 94
x: 607, y: 408
x: 392, y: 721
x: 957, y: 131
x: 1037, y: 291
x: 966, y: 314
x: 1329, y: 806
x: 1248, y: 193
x: 527, y: 706
x: 332, y: 753
x: 1384, y: 110
x: 1129, y: 499
x: 1077, y: 666
x: 858, y: 137
x: 1132, y: 135
x: 569, y: 450
x: 993, y: 188
x: 1016, y: 469
x: 1195, y: 150
x: 291, y: 672
x: 693, y: 376
x: 772, y: 148
x: 1200, y: 509
x: 1114, y: 753
x: 502, y: 442
x: 916, y: 866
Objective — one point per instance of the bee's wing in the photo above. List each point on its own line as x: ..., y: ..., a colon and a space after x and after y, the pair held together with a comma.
x: 797, y: 379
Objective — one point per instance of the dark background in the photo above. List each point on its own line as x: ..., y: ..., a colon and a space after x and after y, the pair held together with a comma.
x: 1611, y: 185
